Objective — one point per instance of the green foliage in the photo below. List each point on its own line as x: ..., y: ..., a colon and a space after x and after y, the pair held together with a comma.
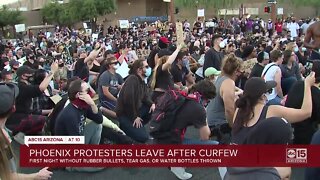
x: 10, y: 17
x: 77, y: 10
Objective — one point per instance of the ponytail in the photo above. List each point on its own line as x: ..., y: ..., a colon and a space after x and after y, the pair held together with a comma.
x: 245, y: 112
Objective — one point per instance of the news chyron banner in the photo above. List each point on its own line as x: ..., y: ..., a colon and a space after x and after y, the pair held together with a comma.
x: 69, y: 151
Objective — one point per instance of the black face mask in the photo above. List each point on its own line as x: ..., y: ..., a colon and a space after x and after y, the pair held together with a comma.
x: 15, y: 68
x: 61, y: 65
x: 41, y: 63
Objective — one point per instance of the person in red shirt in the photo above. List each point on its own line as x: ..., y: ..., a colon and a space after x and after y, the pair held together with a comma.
x: 278, y: 27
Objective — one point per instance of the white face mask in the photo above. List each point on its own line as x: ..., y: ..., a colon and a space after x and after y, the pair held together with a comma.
x: 222, y: 45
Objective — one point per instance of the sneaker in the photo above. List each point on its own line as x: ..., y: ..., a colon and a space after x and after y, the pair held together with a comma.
x: 19, y: 138
x: 181, y: 173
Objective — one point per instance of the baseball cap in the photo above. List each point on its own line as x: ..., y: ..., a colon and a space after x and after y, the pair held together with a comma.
x: 211, y: 71
x: 256, y: 86
x: 24, y: 70
x: 17, y: 48
x: 164, y: 40
x: 9, y: 93
x: 164, y: 52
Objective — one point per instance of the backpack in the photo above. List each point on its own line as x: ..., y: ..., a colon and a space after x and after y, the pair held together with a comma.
x: 163, y: 118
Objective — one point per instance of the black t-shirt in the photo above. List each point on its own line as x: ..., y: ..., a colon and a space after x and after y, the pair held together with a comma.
x: 191, y: 113
x: 164, y: 79
x: 304, y: 130
x: 24, y: 99
x: 256, y: 70
x: 179, y: 75
x: 81, y: 70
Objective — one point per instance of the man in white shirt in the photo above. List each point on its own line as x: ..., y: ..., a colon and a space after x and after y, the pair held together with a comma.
x: 293, y: 27
x: 272, y: 72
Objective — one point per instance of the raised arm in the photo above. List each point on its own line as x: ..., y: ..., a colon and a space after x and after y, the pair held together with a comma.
x: 171, y: 58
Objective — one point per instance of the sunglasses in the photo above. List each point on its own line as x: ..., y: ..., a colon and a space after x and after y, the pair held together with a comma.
x: 115, y: 63
x: 269, y: 91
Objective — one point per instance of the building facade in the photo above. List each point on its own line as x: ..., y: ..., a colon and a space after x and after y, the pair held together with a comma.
x: 126, y: 9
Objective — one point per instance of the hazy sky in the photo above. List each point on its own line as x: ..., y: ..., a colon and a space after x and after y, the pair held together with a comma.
x: 2, y: 2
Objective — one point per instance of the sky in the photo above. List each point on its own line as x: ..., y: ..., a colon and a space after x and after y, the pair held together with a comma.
x: 2, y: 2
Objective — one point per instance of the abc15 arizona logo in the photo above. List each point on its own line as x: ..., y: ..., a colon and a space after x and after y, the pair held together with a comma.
x: 296, y: 155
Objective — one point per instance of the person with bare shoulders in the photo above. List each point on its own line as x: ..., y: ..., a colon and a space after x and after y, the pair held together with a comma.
x: 252, y: 110
x: 312, y: 40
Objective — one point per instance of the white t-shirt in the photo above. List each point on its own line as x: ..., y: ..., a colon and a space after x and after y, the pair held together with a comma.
x: 270, y: 76
x: 293, y: 27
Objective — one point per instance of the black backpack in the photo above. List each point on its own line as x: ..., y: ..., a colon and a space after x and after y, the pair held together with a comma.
x: 163, y: 118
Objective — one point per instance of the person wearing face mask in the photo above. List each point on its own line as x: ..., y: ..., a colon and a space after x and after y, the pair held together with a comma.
x: 134, y: 105
x: 109, y: 85
x: 22, y: 120
x: 14, y: 67
x: 293, y: 27
x: 196, y: 53
x: 221, y: 109
x: 71, y: 121
x: 191, y: 113
x: 31, y: 62
x: 62, y: 74
x: 213, y: 57
x: 182, y: 76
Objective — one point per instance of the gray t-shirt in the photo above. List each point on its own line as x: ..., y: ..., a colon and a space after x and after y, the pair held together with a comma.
x: 110, y: 80
x: 215, y: 109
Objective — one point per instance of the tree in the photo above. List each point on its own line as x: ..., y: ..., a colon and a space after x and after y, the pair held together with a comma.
x: 62, y: 14
x: 90, y: 10
x: 51, y: 11
x: 9, y: 18
x: 311, y: 3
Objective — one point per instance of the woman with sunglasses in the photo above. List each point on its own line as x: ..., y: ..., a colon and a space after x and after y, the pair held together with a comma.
x: 134, y: 105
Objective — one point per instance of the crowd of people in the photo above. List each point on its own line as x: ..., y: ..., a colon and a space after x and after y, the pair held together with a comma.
x: 243, y: 81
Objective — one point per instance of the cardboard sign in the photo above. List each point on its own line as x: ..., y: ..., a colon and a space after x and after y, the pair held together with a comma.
x: 124, y: 24
x: 200, y: 12
x: 20, y: 27
x: 280, y: 11
x: 179, y: 32
x: 85, y: 25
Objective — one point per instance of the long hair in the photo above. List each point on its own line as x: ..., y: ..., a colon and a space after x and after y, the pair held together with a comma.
x: 130, y: 97
x: 135, y: 66
x: 159, y: 62
x: 245, y: 113
x: 5, y: 171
